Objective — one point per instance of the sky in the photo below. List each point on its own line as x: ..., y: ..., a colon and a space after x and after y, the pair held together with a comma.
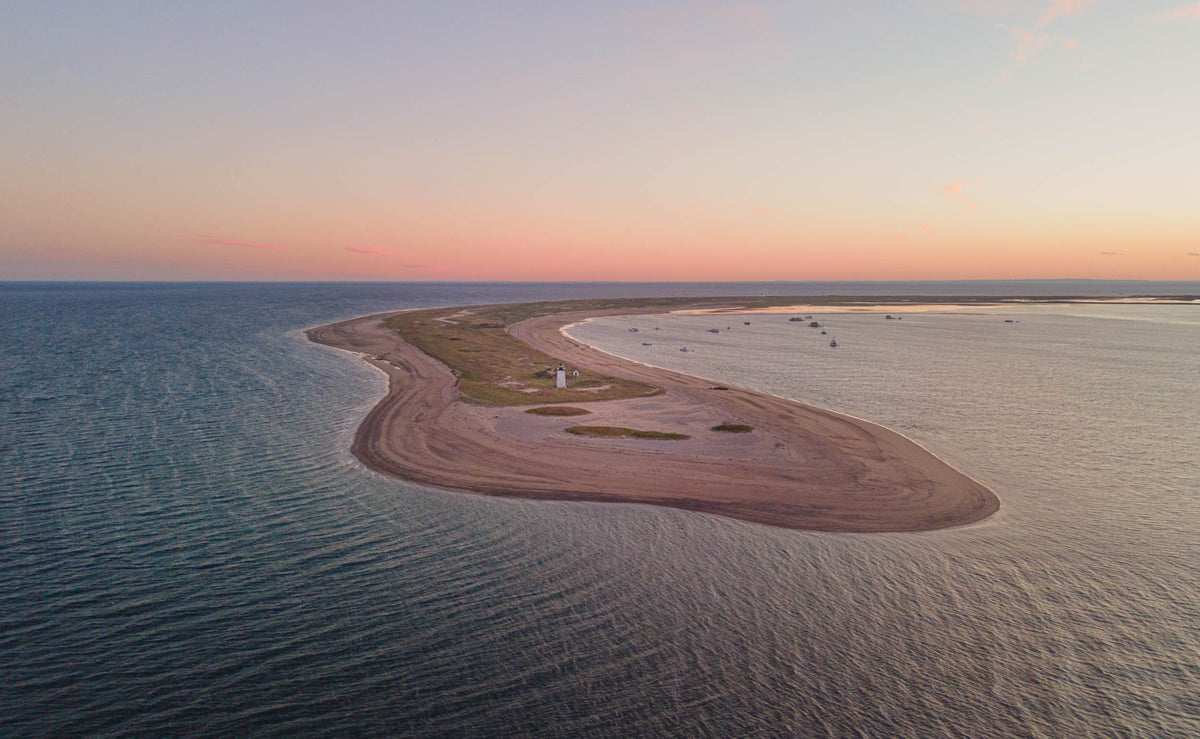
x: 616, y: 140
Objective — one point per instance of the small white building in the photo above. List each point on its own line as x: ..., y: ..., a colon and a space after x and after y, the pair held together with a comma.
x: 560, y: 377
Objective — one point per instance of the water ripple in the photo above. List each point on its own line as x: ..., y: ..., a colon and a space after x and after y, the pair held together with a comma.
x: 189, y: 549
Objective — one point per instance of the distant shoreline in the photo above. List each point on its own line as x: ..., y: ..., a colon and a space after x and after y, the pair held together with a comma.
x: 800, y: 467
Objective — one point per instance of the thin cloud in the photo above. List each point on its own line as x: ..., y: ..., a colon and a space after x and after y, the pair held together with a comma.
x: 221, y: 240
x: 1035, y: 39
x: 1062, y: 9
x: 1031, y: 42
x: 1193, y: 254
x: 1112, y: 253
x: 1184, y: 13
x: 376, y: 251
x: 958, y: 191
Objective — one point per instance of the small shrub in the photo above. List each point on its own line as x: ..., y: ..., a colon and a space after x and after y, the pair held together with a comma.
x: 558, y: 410
x: 666, y: 435
x: 619, y: 432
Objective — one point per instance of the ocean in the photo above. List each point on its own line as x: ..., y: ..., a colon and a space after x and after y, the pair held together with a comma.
x: 188, y: 548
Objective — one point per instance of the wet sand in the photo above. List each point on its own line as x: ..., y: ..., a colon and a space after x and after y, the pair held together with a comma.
x: 801, y: 468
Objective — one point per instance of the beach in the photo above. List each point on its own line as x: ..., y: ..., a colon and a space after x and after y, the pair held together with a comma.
x: 800, y: 467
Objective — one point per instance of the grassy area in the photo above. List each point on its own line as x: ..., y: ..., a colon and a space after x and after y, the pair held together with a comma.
x: 559, y: 410
x: 493, y: 368
x: 620, y: 432
x: 733, y: 428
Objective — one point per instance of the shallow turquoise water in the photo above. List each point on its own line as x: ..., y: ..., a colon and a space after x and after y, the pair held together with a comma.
x: 188, y: 548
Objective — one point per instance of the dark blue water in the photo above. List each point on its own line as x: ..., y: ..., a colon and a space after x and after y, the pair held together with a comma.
x: 188, y: 548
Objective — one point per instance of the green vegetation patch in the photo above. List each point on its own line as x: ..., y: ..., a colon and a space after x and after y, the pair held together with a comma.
x: 733, y: 428
x: 494, y: 368
x: 559, y: 410
x: 619, y: 432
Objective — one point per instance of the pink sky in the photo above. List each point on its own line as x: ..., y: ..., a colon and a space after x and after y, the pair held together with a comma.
x: 930, y: 139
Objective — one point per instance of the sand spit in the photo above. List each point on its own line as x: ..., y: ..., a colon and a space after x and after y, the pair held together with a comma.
x: 801, y: 467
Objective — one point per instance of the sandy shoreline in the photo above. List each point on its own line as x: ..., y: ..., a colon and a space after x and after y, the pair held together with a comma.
x: 806, y: 308
x: 801, y: 467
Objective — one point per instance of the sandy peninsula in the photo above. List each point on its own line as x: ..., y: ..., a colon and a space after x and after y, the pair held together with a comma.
x: 801, y: 467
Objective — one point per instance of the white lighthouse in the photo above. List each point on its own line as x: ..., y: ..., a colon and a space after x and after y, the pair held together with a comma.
x: 560, y: 377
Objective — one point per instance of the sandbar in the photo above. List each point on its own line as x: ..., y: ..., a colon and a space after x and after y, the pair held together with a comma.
x: 801, y: 467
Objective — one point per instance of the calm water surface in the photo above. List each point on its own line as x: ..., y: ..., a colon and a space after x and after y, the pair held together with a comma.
x: 188, y: 548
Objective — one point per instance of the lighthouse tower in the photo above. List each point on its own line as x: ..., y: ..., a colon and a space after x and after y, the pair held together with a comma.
x: 560, y: 377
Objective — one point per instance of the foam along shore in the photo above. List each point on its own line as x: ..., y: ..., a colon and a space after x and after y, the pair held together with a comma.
x: 801, y: 467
